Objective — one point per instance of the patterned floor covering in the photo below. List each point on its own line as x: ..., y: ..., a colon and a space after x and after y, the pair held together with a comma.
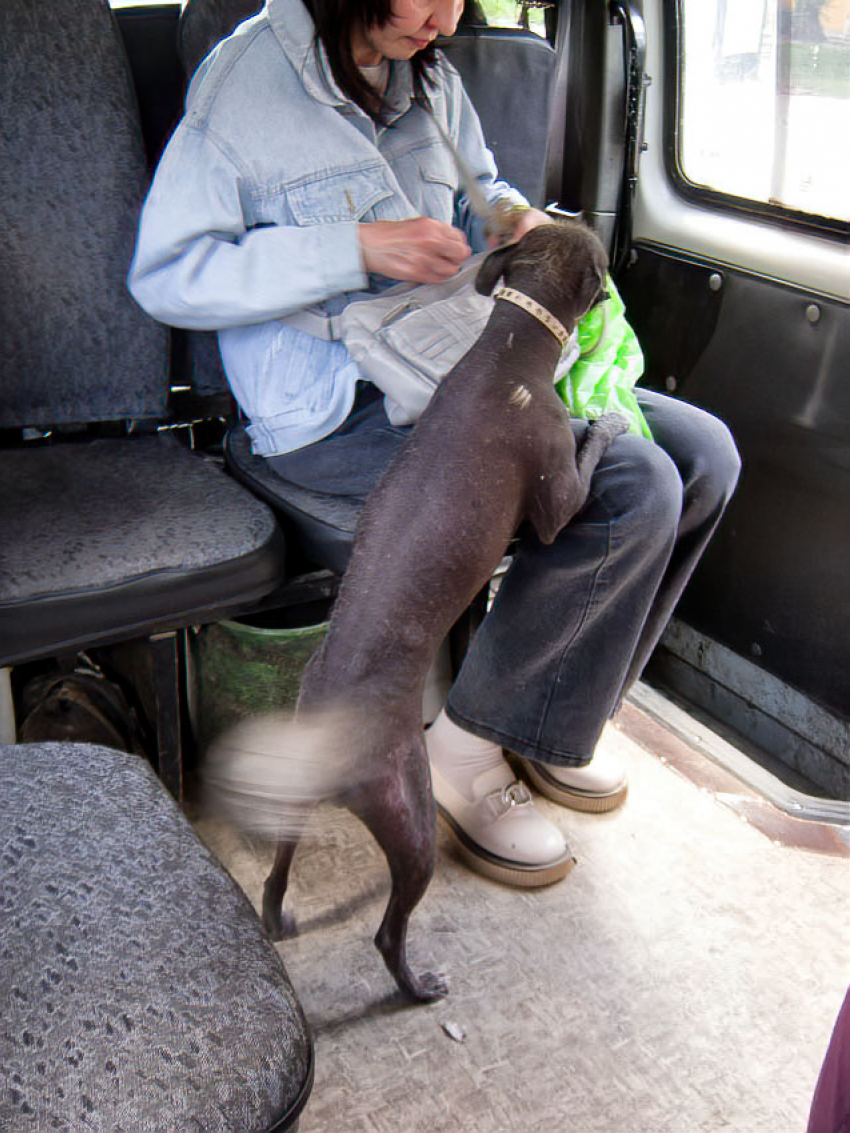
x: 684, y: 978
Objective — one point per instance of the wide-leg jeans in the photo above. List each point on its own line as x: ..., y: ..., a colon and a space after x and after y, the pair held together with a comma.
x: 574, y: 622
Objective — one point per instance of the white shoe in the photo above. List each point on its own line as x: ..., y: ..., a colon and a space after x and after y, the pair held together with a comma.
x: 599, y: 786
x: 500, y: 832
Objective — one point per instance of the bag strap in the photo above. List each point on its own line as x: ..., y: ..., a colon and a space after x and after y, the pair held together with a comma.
x: 316, y: 323
x: 331, y: 328
x: 554, y: 173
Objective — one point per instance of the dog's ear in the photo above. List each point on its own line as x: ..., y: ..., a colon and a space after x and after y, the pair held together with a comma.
x: 594, y: 290
x: 493, y: 269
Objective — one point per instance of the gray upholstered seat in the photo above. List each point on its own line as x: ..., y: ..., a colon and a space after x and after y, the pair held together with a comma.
x: 509, y: 75
x: 113, y: 538
x: 110, y: 537
x: 140, y: 992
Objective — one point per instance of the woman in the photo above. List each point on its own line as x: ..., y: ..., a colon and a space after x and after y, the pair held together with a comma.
x: 307, y: 170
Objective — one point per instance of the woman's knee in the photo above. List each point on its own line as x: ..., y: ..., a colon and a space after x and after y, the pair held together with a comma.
x: 716, y: 463
x: 639, y: 486
x: 700, y: 445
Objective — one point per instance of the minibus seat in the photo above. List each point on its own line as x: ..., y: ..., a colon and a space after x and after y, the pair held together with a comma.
x: 205, y: 23
x: 140, y: 991
x: 510, y: 75
x: 322, y: 525
x: 111, y: 528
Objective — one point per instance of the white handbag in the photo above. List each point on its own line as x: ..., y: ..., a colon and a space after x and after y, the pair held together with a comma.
x: 407, y: 338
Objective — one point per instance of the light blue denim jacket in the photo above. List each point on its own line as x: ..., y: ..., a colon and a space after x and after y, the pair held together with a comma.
x: 254, y: 208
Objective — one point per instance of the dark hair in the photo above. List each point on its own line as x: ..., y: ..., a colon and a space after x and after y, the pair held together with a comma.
x: 336, y: 21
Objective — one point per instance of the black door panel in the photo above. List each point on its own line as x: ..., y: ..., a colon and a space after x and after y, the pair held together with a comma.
x: 771, y: 361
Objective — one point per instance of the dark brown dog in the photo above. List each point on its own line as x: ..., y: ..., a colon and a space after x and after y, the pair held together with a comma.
x: 493, y: 448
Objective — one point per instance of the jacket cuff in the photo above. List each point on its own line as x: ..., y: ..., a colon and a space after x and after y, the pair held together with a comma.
x: 340, y: 258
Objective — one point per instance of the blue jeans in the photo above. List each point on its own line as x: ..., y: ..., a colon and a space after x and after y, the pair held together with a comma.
x: 573, y: 623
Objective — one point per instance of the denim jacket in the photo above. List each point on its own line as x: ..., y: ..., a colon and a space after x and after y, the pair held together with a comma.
x: 253, y: 212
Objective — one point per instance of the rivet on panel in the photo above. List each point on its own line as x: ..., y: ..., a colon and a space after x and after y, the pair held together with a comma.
x: 715, y: 281
x: 813, y: 312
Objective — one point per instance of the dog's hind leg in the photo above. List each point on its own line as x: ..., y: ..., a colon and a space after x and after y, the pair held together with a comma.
x: 398, y: 809
x: 278, y: 924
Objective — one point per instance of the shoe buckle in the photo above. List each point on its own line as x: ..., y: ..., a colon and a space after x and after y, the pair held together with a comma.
x: 511, y: 795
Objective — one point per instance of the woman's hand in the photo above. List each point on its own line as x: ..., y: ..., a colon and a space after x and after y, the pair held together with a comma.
x: 522, y: 220
x: 528, y: 219
x: 421, y: 250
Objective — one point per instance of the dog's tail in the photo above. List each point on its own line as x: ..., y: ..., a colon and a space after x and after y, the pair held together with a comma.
x: 267, y: 773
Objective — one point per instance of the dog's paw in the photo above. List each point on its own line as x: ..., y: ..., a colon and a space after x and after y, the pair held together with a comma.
x: 611, y: 425
x: 426, y: 987
x: 279, y: 925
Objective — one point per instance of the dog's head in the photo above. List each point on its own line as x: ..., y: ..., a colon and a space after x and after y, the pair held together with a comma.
x: 562, y: 265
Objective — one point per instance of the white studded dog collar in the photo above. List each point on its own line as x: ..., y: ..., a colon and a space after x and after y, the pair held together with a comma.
x: 534, y: 308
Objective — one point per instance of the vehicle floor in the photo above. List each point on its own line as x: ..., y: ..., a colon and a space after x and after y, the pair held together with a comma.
x: 684, y: 977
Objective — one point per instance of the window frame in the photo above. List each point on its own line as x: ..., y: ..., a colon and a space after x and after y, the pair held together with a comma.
x: 782, y: 215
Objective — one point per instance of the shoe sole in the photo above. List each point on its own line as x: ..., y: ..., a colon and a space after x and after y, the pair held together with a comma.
x: 503, y: 869
x: 593, y: 802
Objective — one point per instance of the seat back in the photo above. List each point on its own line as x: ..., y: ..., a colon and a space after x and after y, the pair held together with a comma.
x: 510, y: 77
x: 204, y: 23
x: 74, y: 345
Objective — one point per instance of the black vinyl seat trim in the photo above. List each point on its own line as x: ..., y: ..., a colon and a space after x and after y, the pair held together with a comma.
x: 324, y: 524
x: 164, y: 600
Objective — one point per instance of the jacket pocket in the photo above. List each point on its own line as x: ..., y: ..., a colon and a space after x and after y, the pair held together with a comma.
x: 338, y: 196
x: 438, y: 182
x: 437, y: 167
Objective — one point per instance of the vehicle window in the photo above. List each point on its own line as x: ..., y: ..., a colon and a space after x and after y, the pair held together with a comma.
x: 514, y: 13
x: 764, y: 110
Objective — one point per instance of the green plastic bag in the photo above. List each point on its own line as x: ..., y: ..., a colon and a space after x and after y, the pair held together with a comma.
x: 603, y: 377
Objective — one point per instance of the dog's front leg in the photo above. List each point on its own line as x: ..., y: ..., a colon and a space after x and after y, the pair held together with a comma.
x: 600, y: 433
x: 562, y: 486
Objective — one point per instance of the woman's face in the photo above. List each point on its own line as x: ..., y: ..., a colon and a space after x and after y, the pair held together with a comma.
x: 412, y: 26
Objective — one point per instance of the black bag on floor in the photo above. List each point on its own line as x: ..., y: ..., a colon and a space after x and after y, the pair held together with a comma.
x: 82, y: 707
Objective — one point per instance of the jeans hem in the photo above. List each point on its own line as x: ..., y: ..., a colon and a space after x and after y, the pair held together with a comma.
x: 516, y: 744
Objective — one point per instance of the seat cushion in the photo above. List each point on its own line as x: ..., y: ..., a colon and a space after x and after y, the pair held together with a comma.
x: 140, y: 990
x: 111, y: 538
x: 324, y: 524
